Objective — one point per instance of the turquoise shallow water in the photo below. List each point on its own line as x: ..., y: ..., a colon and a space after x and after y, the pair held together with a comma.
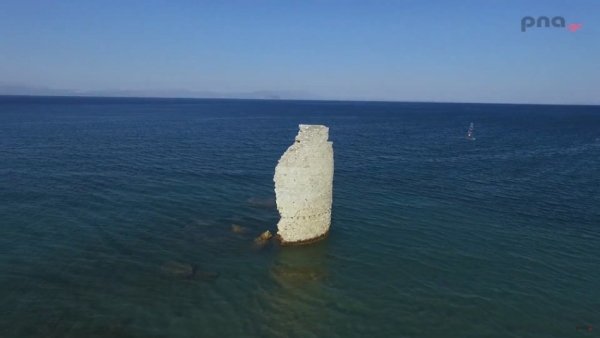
x: 432, y: 235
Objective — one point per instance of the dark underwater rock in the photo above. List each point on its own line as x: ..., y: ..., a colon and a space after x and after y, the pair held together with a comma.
x: 188, y: 272
x: 205, y: 276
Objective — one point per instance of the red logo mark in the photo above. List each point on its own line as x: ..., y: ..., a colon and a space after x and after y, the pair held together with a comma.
x: 574, y: 26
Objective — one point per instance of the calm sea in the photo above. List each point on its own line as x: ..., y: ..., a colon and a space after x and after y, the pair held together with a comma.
x: 116, y: 220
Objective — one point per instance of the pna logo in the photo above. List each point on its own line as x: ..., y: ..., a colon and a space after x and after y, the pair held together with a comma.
x: 557, y: 21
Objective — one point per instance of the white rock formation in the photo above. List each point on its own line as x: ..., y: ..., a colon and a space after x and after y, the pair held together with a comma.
x: 304, y: 186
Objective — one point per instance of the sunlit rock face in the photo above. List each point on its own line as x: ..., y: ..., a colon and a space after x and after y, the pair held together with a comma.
x: 304, y: 187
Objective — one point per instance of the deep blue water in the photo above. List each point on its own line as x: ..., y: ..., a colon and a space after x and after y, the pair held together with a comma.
x: 432, y: 235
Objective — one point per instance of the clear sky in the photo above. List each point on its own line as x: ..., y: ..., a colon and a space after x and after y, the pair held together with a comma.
x: 436, y: 50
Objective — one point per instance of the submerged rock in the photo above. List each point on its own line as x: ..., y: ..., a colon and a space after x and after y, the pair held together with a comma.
x: 298, y: 275
x: 264, y: 237
x: 178, y: 269
x: 238, y: 229
x: 304, y: 187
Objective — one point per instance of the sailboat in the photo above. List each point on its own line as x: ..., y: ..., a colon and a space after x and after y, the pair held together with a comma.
x: 471, y: 133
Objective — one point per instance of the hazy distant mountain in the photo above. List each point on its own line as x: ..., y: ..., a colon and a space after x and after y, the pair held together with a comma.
x: 9, y: 89
x: 32, y: 90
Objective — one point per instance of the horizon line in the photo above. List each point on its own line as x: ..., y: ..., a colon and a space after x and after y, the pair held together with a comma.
x: 284, y: 99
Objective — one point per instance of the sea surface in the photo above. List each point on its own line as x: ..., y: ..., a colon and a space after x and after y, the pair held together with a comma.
x: 116, y: 220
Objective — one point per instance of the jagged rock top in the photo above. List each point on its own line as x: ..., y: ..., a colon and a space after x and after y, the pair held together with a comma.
x: 312, y: 133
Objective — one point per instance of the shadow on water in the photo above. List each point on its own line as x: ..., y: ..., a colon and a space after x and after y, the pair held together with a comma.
x: 295, y: 303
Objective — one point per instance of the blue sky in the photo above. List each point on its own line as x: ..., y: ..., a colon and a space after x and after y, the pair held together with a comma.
x: 447, y: 50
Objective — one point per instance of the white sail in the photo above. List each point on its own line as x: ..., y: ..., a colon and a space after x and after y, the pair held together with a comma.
x: 471, y: 132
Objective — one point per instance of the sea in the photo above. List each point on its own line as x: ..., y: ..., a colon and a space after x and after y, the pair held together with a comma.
x: 117, y: 214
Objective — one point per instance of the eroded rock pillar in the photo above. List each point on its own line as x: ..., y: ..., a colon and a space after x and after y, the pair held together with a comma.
x: 304, y: 187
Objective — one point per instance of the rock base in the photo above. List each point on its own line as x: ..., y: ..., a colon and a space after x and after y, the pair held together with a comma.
x: 304, y: 242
